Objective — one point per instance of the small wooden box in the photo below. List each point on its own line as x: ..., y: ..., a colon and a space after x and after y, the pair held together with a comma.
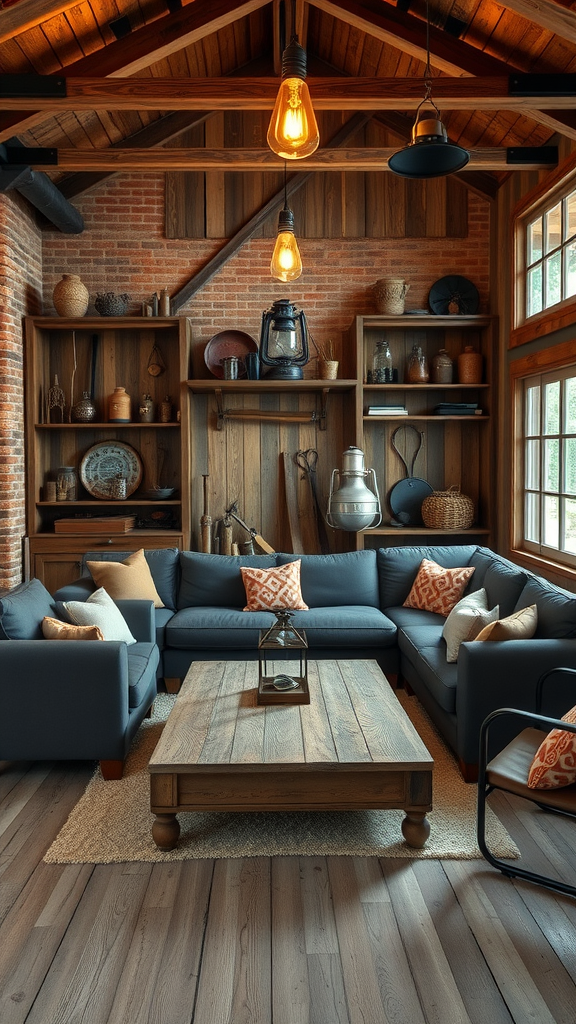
x: 268, y: 694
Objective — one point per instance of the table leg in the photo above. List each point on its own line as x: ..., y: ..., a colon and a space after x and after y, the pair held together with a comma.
x: 416, y: 829
x: 165, y: 831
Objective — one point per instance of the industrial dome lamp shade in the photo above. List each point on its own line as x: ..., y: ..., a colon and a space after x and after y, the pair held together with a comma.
x: 429, y: 154
x: 293, y: 131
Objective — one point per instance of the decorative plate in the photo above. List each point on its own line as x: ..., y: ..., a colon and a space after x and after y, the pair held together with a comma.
x: 454, y: 291
x: 105, y: 461
x: 225, y: 344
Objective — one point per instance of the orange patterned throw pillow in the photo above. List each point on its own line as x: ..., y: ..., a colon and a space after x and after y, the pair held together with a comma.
x: 554, y: 763
x: 270, y: 589
x: 437, y: 589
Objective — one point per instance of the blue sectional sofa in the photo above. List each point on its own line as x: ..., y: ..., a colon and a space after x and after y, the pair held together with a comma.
x: 72, y: 699
x: 356, y: 607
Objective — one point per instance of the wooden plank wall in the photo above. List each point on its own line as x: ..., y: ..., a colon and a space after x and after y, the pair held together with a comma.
x: 332, y: 205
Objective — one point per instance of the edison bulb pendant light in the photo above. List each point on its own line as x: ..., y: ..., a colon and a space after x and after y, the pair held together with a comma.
x: 286, y: 262
x: 293, y: 131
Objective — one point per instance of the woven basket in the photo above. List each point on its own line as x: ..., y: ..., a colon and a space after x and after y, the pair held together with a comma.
x: 448, y: 510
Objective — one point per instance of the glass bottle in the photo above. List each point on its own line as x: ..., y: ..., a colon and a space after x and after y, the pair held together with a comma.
x: 382, y: 363
x: 418, y: 372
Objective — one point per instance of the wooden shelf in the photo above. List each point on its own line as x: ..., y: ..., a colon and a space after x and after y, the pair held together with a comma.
x: 409, y: 417
x: 423, y: 387
x: 264, y: 385
x: 421, y: 531
x: 107, y: 504
x: 93, y: 425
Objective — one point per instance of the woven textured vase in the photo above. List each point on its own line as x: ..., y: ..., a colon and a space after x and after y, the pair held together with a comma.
x: 70, y: 296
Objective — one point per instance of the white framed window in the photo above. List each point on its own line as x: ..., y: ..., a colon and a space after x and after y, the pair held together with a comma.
x: 550, y: 255
x: 548, y: 461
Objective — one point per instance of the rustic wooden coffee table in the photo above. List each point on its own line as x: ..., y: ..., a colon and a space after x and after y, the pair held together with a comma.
x: 352, y: 747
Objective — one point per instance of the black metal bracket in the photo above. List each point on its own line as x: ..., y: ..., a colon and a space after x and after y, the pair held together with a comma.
x: 29, y: 86
x: 24, y: 156
x: 532, y: 154
x: 542, y: 85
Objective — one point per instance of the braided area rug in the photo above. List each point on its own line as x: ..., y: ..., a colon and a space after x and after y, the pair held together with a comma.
x: 112, y: 821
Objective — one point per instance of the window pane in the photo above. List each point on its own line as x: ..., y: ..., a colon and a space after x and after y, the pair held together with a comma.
x: 553, y: 279
x: 570, y: 405
x: 532, y: 467
x: 550, y: 537
x: 552, y: 407
x: 534, y: 291
x: 571, y: 215
x: 551, y: 466
x: 553, y: 227
x: 532, y: 518
x: 532, y: 411
x: 534, y: 241
x: 570, y: 526
x: 569, y: 465
x: 570, y: 270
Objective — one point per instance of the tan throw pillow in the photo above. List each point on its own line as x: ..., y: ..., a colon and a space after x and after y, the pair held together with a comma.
x: 271, y: 589
x: 54, y: 629
x: 130, y: 580
x: 554, y: 763
x: 519, y: 626
x: 436, y: 589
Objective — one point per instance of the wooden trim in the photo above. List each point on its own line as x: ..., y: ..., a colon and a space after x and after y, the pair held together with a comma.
x: 561, y: 316
x: 544, y: 360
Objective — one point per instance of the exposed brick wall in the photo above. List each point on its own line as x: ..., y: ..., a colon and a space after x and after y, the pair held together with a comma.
x: 20, y: 288
x: 123, y: 248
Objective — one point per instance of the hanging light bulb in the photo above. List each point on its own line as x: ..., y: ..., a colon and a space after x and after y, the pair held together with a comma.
x: 429, y: 154
x: 286, y: 262
x: 293, y: 131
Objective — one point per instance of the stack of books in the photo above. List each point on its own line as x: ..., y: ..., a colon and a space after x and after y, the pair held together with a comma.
x: 95, y: 524
x: 387, y: 410
x: 457, y: 409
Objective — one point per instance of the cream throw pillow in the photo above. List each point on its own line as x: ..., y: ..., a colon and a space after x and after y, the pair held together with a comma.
x: 55, y: 629
x: 519, y: 626
x: 99, y: 610
x: 466, y: 620
x: 130, y: 580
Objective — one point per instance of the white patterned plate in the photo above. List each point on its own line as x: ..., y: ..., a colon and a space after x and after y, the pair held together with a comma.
x: 105, y: 461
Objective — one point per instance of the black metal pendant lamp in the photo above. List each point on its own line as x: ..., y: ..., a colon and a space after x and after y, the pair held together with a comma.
x: 429, y: 154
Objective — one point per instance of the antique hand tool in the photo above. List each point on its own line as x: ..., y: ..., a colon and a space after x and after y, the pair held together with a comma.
x: 206, y: 521
x: 308, y: 461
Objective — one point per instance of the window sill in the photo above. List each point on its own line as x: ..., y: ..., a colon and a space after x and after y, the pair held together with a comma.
x: 545, y: 567
x: 539, y: 327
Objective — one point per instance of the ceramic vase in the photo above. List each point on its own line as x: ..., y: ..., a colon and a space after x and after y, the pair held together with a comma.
x: 70, y: 296
x: 442, y: 368
x: 119, y: 406
x: 470, y: 366
x: 84, y: 411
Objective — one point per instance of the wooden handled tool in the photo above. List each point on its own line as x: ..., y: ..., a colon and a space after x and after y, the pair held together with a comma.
x: 206, y: 522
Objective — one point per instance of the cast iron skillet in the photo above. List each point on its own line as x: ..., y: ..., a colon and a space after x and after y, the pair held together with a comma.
x: 407, y: 495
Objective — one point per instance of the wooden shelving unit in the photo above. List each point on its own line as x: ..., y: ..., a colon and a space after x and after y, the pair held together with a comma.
x: 116, y: 350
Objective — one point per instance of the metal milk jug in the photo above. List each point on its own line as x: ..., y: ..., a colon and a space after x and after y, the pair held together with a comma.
x: 352, y: 504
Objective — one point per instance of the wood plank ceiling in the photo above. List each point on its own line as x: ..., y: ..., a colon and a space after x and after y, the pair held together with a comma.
x: 168, y: 44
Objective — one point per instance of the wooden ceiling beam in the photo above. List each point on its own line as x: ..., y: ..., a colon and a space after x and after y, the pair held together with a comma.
x: 203, y: 159
x: 242, y: 93
x: 551, y: 16
x: 137, y: 51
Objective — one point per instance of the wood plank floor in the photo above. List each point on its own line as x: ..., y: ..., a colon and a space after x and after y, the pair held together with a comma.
x: 286, y: 940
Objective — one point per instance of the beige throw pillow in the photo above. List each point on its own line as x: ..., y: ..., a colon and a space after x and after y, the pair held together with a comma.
x: 519, y: 626
x: 466, y: 620
x: 55, y: 629
x: 99, y: 610
x: 130, y: 580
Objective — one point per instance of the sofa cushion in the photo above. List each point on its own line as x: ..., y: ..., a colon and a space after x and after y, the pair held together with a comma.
x: 322, y: 578
x: 398, y: 567
x: 437, y: 589
x: 556, y: 609
x: 420, y: 641
x: 163, y: 564
x: 99, y: 610
x: 273, y: 589
x: 502, y: 581
x: 142, y: 664
x: 128, y: 580
x: 229, y: 628
x: 22, y: 611
x: 214, y: 580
